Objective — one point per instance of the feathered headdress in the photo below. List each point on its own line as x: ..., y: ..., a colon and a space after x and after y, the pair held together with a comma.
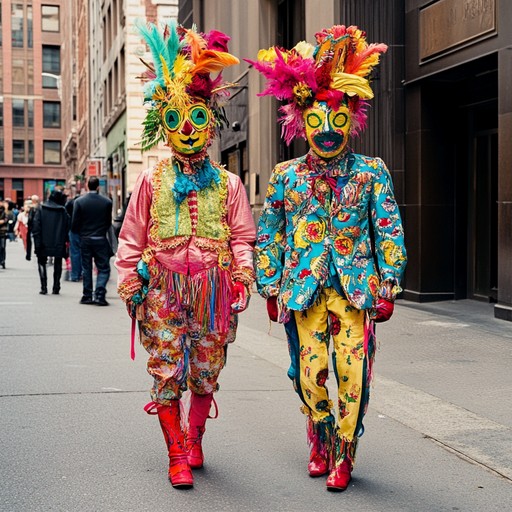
x: 336, y: 70
x: 180, y: 73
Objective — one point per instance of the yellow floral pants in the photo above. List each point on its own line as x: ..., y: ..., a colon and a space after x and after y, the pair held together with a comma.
x: 309, y: 335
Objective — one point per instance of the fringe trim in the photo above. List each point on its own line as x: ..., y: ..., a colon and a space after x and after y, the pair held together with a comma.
x: 208, y: 293
x: 321, y: 438
x: 128, y: 288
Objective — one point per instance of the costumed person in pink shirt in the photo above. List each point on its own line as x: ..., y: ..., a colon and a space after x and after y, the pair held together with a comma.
x: 185, y: 249
x: 330, y: 250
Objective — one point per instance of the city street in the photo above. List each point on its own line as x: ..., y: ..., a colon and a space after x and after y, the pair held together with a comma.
x: 74, y: 436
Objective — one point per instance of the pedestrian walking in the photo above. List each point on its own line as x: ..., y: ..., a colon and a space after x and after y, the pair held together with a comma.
x: 21, y: 226
x: 12, y: 214
x: 75, y: 246
x: 4, y: 223
x: 92, y: 218
x: 31, y: 214
x: 315, y: 258
x: 185, y: 248
x: 50, y: 231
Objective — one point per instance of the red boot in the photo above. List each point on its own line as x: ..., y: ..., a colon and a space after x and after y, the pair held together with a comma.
x: 318, y: 464
x: 180, y: 474
x: 199, y: 413
x: 340, y: 477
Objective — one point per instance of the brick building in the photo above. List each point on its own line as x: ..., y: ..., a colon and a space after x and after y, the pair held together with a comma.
x: 31, y: 128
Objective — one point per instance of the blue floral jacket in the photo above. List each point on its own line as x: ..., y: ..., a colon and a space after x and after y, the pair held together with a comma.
x: 315, y: 230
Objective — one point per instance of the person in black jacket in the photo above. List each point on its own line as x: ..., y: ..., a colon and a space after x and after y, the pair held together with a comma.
x: 50, y: 231
x: 75, y: 250
x: 4, y: 222
x: 30, y: 224
x: 92, y: 218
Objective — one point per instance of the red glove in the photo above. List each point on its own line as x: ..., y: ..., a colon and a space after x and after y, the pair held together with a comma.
x: 272, y: 308
x: 383, y: 310
x: 240, y: 296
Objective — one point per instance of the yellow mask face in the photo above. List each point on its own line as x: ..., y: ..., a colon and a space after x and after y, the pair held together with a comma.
x: 188, y: 130
x: 327, y: 130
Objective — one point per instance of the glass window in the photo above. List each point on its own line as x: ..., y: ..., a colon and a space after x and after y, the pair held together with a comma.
x: 17, y: 183
x: 51, y: 151
x: 51, y: 66
x: 1, y: 155
x: 1, y: 113
x: 18, y: 151
x: 30, y: 38
x: 30, y: 113
x: 17, y: 25
x: 0, y: 27
x: 30, y: 151
x: 50, y: 18
x: 51, y: 59
x: 18, y: 112
x: 51, y: 114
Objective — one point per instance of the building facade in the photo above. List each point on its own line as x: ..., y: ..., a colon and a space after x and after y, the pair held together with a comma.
x: 31, y: 128
x: 441, y: 119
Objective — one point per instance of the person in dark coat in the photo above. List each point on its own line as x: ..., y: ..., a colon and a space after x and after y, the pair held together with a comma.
x: 92, y: 218
x: 30, y: 224
x: 75, y: 249
x: 4, y: 221
x: 50, y: 231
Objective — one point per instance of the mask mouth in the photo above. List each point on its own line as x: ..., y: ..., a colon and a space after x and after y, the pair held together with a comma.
x: 328, y: 141
x: 190, y: 141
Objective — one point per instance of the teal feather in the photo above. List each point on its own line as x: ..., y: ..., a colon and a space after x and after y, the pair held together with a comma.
x: 173, y: 46
x: 157, y: 46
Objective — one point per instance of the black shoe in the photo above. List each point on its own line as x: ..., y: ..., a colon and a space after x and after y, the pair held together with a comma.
x: 86, y: 300
x: 101, y: 302
x: 55, y: 292
x: 43, y: 291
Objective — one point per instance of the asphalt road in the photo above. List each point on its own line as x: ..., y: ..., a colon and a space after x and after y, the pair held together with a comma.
x: 74, y: 437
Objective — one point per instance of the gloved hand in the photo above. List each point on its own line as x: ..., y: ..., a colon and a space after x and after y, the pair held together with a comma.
x: 383, y: 310
x: 272, y: 309
x: 241, y: 296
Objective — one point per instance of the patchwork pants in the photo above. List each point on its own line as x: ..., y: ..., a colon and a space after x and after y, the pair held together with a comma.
x: 309, y: 336
x: 182, y: 355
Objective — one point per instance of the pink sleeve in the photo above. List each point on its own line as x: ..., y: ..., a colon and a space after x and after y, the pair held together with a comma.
x: 241, y: 224
x: 133, y: 238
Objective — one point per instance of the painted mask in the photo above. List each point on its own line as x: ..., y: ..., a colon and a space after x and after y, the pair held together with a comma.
x: 188, y: 129
x: 327, y: 130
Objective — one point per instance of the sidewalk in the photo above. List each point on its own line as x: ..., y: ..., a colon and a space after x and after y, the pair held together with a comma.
x: 441, y: 369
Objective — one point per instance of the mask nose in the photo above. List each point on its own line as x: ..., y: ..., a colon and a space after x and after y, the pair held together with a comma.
x: 326, y: 126
x: 187, y: 129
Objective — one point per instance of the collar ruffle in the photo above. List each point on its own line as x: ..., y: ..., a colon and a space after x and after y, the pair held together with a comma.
x: 201, y: 176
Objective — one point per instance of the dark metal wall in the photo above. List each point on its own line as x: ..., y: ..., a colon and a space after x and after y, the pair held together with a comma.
x: 383, y: 22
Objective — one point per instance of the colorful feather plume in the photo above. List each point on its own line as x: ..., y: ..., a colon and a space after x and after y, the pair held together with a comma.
x: 179, y: 74
x: 336, y: 70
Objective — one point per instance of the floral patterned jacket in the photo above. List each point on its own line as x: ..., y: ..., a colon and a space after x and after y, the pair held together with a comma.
x: 315, y: 226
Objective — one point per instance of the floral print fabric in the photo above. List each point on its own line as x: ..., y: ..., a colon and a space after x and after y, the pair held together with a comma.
x: 181, y: 354
x: 307, y: 226
x: 352, y: 353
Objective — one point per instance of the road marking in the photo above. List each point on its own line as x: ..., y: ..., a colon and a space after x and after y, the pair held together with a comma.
x: 437, y: 323
x: 16, y: 303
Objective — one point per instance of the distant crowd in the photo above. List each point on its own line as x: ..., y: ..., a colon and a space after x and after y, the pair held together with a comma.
x: 75, y: 230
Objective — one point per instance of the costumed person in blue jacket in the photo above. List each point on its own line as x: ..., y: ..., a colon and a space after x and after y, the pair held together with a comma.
x: 316, y: 263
